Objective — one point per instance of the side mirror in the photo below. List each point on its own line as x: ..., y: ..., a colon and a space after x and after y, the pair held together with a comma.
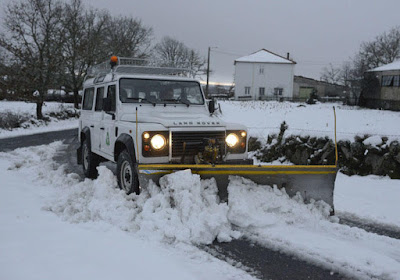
x: 211, y: 106
x: 106, y: 105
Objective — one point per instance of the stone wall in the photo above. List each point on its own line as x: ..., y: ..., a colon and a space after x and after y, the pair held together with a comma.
x: 365, y: 155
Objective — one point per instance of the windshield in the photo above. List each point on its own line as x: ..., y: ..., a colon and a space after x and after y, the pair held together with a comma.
x: 160, y: 92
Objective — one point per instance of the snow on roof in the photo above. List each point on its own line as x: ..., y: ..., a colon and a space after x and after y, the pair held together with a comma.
x: 395, y: 65
x: 264, y: 56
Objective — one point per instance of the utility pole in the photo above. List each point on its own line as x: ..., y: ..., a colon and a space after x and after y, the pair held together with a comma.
x: 208, y: 70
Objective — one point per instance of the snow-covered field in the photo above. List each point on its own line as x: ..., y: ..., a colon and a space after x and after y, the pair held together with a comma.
x: 105, y: 231
x: 29, y: 109
x: 264, y: 118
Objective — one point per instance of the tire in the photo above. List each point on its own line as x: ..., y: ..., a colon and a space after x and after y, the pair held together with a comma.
x: 89, y: 161
x: 127, y: 173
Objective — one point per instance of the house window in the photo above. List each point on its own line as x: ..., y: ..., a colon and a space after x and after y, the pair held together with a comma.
x: 396, y: 81
x: 387, y: 81
x: 261, y: 91
x: 261, y: 70
x: 278, y: 91
x: 247, y: 90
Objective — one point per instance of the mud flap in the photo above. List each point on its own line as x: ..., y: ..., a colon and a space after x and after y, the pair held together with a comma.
x: 79, y: 155
x: 312, y: 182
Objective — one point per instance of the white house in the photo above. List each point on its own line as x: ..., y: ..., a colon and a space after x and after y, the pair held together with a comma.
x: 263, y: 75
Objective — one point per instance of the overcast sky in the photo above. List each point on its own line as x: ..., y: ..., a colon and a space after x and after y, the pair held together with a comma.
x: 315, y: 32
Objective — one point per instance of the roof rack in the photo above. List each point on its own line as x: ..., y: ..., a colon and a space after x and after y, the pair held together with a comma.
x: 125, y: 65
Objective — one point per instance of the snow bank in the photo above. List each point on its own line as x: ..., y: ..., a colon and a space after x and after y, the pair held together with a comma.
x: 253, y: 205
x: 183, y: 209
x: 54, y: 125
x: 371, y: 197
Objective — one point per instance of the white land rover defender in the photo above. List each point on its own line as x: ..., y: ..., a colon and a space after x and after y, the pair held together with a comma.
x: 152, y: 121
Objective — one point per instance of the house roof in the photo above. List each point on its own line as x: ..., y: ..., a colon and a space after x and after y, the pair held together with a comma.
x: 265, y: 56
x: 395, y: 65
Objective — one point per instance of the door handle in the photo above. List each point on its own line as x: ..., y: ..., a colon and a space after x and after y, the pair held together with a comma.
x: 92, y: 126
x: 102, y: 128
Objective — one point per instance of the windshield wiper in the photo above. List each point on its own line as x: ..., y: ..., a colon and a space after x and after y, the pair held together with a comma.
x: 149, y: 101
x: 143, y: 99
x: 184, y: 101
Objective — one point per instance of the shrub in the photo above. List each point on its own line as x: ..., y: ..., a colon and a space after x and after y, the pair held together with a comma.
x: 10, y: 120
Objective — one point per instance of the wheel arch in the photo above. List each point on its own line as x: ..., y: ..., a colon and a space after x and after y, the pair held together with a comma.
x: 124, y: 141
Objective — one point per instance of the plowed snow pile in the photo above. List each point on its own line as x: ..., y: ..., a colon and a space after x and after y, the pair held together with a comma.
x: 186, y: 209
x: 183, y: 208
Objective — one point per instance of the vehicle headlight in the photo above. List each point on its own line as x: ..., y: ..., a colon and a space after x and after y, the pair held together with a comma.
x: 158, y: 142
x: 232, y: 140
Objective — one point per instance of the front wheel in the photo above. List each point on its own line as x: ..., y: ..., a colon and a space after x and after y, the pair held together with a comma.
x: 127, y: 175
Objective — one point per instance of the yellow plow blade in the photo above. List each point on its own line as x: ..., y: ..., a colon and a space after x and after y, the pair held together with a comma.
x: 311, y: 181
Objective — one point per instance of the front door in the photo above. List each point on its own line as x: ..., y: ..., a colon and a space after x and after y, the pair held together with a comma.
x: 108, y: 125
x: 98, y: 120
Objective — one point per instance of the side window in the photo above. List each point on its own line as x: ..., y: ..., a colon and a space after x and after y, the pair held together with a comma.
x: 99, y: 99
x: 111, y: 94
x: 88, y: 99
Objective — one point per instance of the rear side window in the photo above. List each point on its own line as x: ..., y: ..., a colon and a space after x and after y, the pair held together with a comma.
x: 111, y: 94
x: 88, y: 99
x: 99, y: 99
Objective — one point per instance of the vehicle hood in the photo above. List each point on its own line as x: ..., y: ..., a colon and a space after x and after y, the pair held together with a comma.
x: 170, y: 119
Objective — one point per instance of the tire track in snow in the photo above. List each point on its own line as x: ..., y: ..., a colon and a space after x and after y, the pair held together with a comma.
x: 369, y: 226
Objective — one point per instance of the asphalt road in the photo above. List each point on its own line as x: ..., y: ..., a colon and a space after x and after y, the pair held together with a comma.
x: 261, y: 262
x: 8, y: 144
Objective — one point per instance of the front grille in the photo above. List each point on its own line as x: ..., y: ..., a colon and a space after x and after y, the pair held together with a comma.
x: 194, y: 141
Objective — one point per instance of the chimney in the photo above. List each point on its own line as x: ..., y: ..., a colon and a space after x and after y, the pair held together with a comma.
x: 288, y: 55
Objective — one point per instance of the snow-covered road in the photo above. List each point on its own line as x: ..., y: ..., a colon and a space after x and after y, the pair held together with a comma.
x: 184, y: 211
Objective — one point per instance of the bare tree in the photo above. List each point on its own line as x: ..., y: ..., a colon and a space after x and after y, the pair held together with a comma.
x: 174, y: 53
x: 196, y: 63
x: 84, y: 44
x: 171, y: 52
x: 34, y: 37
x: 384, y: 49
x: 127, y: 37
x: 330, y: 74
x: 346, y: 74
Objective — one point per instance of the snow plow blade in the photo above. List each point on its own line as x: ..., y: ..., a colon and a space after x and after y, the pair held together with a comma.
x: 311, y: 181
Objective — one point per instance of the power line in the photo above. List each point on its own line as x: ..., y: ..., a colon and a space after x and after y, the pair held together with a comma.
x: 226, y: 52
